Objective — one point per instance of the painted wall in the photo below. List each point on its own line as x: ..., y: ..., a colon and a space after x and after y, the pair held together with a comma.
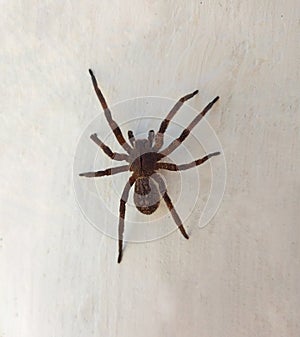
x: 237, y: 276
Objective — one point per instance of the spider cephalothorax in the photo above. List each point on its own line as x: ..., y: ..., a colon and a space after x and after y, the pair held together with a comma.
x: 143, y: 157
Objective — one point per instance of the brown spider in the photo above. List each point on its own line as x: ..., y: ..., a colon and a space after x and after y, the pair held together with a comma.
x: 143, y: 158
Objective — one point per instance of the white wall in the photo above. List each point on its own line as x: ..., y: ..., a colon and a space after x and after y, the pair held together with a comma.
x: 238, y: 276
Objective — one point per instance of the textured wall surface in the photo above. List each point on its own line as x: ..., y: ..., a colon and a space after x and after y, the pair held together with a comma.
x: 238, y: 276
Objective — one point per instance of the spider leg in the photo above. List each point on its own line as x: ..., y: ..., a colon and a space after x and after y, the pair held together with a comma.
x: 131, y: 137
x: 107, y: 172
x: 159, y: 138
x: 164, y: 193
x: 113, y: 125
x: 173, y: 146
x: 107, y: 150
x: 174, y: 167
x: 122, y: 209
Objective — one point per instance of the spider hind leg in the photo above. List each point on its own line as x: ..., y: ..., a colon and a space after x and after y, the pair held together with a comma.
x: 165, y: 196
x: 122, y: 211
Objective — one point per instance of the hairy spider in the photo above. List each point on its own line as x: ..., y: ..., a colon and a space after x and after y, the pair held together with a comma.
x: 143, y: 157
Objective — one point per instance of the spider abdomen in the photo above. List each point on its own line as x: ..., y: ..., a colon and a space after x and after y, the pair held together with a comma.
x: 146, y: 195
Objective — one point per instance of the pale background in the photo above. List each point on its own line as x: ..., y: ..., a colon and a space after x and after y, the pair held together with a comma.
x: 240, y: 275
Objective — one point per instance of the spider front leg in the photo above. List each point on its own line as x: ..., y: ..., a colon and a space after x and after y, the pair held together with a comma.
x: 174, y: 167
x: 113, y: 125
x: 122, y: 210
x: 159, y: 138
x: 164, y: 194
x: 173, y: 146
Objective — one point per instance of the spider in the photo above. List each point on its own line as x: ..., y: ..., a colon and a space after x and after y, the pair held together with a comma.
x: 143, y: 160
